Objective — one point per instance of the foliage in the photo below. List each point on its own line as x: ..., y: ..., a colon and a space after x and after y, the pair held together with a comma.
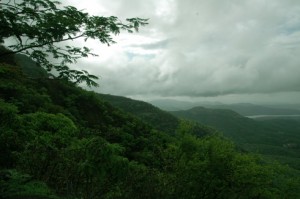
x: 159, y: 119
x: 279, y: 138
x: 18, y: 185
x: 8, y: 140
x: 212, y: 168
x: 58, y: 140
x: 41, y: 29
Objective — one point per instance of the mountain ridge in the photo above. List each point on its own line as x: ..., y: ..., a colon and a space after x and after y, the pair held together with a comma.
x: 245, y: 109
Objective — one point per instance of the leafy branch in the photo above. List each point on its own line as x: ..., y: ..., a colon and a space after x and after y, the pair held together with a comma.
x: 39, y: 28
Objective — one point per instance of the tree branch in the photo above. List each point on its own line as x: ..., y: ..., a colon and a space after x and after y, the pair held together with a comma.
x: 40, y: 45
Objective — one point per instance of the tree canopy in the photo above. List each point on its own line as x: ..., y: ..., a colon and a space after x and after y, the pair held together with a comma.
x: 41, y: 29
x: 59, y: 141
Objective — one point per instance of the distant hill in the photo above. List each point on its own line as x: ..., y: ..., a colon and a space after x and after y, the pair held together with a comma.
x: 172, y: 105
x: 159, y: 119
x: 245, y: 109
x: 231, y: 123
x: 275, y: 138
x: 177, y: 105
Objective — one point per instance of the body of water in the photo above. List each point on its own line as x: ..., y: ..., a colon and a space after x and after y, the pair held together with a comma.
x: 272, y: 116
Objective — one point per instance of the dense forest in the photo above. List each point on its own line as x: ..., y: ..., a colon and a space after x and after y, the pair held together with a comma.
x: 275, y: 138
x: 59, y: 141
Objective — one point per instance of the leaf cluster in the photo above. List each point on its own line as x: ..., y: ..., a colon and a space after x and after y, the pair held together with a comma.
x: 43, y: 30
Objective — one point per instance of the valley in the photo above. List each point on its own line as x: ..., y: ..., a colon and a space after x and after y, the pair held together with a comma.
x: 199, y: 104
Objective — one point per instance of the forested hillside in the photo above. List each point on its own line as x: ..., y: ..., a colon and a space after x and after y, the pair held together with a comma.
x: 60, y: 141
x: 278, y: 139
x: 159, y: 119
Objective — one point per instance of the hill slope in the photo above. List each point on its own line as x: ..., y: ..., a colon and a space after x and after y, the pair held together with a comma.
x: 277, y: 138
x: 159, y: 119
x: 29, y: 67
x: 59, y: 141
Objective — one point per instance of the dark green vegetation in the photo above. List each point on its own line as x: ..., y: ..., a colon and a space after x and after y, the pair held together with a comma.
x: 158, y: 119
x: 278, y: 139
x: 60, y: 141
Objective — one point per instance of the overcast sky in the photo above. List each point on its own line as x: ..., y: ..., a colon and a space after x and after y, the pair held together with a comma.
x: 229, y: 50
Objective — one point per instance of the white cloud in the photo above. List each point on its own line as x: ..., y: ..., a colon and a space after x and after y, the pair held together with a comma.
x: 200, y: 48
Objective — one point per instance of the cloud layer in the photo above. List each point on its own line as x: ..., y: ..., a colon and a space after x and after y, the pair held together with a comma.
x: 201, y: 48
